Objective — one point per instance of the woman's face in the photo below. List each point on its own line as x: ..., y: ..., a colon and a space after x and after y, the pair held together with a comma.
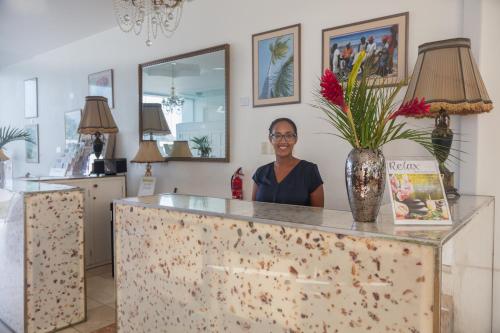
x: 283, y: 138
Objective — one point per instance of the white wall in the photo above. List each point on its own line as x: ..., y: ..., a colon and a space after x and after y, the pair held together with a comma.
x: 62, y: 79
x: 482, y: 167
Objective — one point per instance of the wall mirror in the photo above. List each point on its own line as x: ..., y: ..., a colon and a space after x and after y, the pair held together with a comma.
x: 184, y: 105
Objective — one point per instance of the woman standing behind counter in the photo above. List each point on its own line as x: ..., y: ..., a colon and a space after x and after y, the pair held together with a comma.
x: 287, y: 180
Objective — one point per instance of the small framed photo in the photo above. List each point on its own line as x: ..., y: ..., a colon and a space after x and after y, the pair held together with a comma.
x: 276, y: 66
x: 31, y: 98
x: 385, y: 41
x: 71, y: 123
x: 101, y: 84
x: 32, y: 155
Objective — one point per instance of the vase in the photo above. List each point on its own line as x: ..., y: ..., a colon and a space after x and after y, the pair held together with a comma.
x: 365, y: 182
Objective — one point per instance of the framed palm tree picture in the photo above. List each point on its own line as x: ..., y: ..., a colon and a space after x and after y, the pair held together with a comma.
x: 276, y: 66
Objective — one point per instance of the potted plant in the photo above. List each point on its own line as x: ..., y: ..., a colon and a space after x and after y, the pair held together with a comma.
x: 7, y: 135
x: 364, y: 115
x: 202, y: 145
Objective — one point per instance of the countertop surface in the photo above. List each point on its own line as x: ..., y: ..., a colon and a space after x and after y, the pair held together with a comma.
x: 336, y: 221
x: 34, y: 186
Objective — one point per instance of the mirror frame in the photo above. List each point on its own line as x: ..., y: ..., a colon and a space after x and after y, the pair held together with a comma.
x: 221, y: 47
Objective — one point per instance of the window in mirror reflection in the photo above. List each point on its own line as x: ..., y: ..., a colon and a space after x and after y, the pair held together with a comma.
x: 191, y: 92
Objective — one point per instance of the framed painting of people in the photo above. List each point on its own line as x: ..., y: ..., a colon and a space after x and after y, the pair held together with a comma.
x: 276, y: 66
x: 384, y: 41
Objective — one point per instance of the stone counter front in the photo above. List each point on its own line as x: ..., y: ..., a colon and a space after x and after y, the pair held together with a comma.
x: 42, y: 285
x: 188, y: 272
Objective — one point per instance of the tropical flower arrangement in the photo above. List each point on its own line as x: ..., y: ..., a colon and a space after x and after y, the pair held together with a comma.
x: 365, y: 114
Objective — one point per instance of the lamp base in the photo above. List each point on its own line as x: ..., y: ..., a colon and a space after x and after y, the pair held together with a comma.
x: 448, y: 183
x: 442, y: 139
x: 148, y: 173
x: 97, y: 145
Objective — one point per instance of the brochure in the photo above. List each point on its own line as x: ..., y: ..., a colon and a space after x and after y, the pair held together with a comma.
x: 417, y: 193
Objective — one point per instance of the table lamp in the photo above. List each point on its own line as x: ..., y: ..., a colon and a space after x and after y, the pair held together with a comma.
x: 96, y: 120
x: 180, y: 149
x: 153, y: 120
x: 448, y: 78
x: 148, y: 153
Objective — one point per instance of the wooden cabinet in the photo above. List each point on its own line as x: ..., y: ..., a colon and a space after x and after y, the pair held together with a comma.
x: 99, y: 194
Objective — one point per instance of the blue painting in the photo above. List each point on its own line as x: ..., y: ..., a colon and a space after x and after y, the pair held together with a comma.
x: 276, y: 70
x: 276, y: 67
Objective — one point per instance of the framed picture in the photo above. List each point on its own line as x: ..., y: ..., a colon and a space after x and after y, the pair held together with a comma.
x: 101, y: 84
x: 32, y: 155
x: 31, y: 98
x: 385, y: 41
x: 276, y: 66
x: 71, y: 123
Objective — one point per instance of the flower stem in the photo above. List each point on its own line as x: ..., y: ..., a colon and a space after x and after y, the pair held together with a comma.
x: 353, y: 128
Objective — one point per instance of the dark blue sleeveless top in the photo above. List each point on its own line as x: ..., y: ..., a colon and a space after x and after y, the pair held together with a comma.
x: 294, y: 189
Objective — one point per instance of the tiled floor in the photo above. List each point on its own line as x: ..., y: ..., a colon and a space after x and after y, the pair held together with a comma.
x: 100, y: 302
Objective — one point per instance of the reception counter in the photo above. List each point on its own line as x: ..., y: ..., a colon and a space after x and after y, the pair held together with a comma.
x: 189, y: 263
x: 42, y: 285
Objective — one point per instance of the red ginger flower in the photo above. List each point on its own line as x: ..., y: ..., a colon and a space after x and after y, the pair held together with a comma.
x: 413, y: 108
x: 331, y: 89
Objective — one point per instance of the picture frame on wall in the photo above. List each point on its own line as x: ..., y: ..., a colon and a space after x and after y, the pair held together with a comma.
x: 32, y: 147
x: 276, y: 66
x: 385, y: 41
x: 71, y: 122
x: 31, y: 98
x: 101, y: 84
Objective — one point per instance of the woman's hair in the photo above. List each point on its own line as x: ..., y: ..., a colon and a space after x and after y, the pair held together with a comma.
x: 288, y: 120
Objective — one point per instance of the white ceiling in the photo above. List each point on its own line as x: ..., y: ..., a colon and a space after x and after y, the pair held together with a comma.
x: 31, y: 27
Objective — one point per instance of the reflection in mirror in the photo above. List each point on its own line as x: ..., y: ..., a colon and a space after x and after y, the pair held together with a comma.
x: 184, y: 105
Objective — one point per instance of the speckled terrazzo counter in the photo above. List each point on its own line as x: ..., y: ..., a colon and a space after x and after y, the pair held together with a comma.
x: 41, y: 256
x: 189, y: 263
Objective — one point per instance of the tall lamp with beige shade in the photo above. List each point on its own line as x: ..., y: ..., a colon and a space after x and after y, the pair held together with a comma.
x: 448, y: 78
x: 148, y: 153
x: 153, y: 120
x: 96, y: 120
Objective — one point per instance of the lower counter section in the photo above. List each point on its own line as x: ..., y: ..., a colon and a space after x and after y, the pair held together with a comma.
x: 185, y: 272
x: 42, y: 285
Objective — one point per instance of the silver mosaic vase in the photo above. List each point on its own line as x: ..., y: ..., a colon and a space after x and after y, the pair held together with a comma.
x: 365, y: 182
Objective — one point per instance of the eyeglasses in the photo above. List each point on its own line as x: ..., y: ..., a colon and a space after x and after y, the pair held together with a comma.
x: 276, y: 137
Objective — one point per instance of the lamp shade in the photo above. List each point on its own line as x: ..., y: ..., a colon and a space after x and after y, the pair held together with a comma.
x: 153, y: 119
x: 181, y: 149
x: 148, y: 153
x: 3, y: 157
x: 97, y: 117
x: 448, y: 78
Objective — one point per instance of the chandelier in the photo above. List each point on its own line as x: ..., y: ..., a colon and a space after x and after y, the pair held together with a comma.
x: 173, y: 103
x: 154, y: 15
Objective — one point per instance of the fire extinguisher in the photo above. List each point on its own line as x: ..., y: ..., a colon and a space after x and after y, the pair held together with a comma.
x: 237, y: 184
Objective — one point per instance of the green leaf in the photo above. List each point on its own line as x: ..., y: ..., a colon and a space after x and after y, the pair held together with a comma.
x: 9, y: 134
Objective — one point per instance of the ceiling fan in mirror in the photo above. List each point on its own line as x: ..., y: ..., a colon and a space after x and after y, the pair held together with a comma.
x: 152, y: 15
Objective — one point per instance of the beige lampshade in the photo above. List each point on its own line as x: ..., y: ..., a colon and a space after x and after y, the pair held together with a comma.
x: 180, y: 149
x: 153, y: 119
x: 97, y: 116
x: 447, y: 77
x: 3, y: 157
x: 148, y: 153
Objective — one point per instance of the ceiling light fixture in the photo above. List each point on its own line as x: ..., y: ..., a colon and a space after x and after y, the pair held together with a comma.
x: 173, y: 103
x: 163, y: 15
